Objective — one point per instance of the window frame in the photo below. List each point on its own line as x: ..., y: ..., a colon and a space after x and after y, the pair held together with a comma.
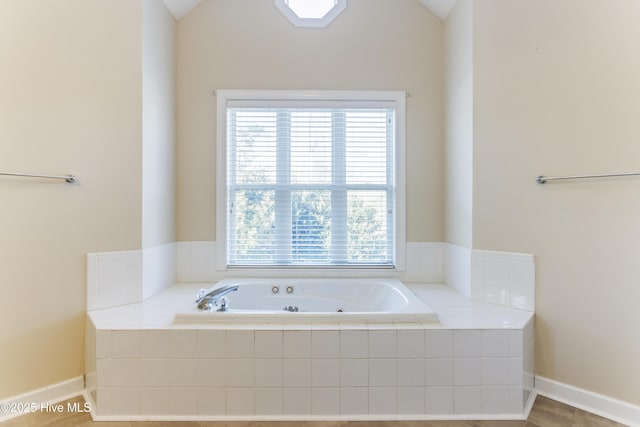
x: 285, y: 9
x: 398, y: 98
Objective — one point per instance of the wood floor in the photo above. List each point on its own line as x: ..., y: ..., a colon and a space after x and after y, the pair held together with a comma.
x: 545, y: 413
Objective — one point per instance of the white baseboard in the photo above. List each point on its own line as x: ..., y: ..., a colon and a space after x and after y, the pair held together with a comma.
x: 613, y: 409
x: 21, y: 404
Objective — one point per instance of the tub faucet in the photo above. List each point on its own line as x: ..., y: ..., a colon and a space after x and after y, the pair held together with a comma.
x: 208, y: 301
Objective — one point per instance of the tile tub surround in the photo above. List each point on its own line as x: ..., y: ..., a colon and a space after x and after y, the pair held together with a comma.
x: 501, y: 278
x: 477, y: 363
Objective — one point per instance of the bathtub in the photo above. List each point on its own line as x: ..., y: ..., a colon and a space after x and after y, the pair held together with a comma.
x: 312, y: 301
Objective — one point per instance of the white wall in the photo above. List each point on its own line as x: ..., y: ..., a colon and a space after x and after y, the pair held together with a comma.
x: 249, y: 44
x: 159, y: 129
x: 70, y: 81
x: 87, y: 88
x: 556, y: 91
x: 458, y: 43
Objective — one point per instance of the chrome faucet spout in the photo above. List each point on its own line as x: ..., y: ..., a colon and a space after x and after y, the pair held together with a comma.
x: 208, y: 301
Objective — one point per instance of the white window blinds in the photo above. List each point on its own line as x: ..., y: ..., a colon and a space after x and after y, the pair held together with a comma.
x: 310, y: 184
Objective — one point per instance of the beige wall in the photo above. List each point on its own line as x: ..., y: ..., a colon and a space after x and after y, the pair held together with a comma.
x: 557, y: 92
x: 159, y: 124
x: 249, y: 44
x: 71, y: 85
x: 458, y: 47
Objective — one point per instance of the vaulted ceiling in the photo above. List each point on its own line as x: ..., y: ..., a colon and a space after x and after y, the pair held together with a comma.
x: 180, y: 8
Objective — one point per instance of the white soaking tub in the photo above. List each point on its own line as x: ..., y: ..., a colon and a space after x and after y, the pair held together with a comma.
x: 313, y: 300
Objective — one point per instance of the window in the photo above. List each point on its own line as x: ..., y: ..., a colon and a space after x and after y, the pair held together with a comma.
x: 311, y: 13
x: 311, y: 179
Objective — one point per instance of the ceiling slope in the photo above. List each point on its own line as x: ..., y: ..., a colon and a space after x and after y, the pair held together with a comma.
x: 440, y: 8
x: 180, y: 8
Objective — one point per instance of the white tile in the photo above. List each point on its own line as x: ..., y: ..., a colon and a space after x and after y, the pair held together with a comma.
x: 522, y: 274
x: 519, y: 257
x: 438, y: 343
x: 268, y: 373
x: 516, y: 374
x: 467, y: 400
x: 439, y: 400
x: 382, y: 400
x: 383, y: 372
x: 297, y: 344
x: 199, y: 273
x: 212, y: 401
x: 495, y: 400
x: 499, y: 256
x: 103, y: 344
x: 495, y: 343
x: 354, y: 344
x: 154, y: 372
x: 325, y: 401
x: 111, y: 267
x: 523, y: 297
x: 212, y: 372
x: 240, y: 401
x: 154, y: 401
x: 382, y: 344
x: 183, y: 253
x: 516, y: 400
x: 498, y: 293
x: 212, y: 343
x: 111, y: 279
x: 183, y: 343
x: 103, y: 401
x: 183, y: 372
x: 200, y: 252
x: 133, y: 275
x: 467, y: 372
x: 103, y: 372
x: 516, y: 346
x: 268, y: 344
x: 154, y: 344
x: 411, y: 372
x: 125, y: 401
x: 183, y: 261
x: 410, y: 400
x: 354, y: 372
x: 183, y: 401
x: 495, y: 372
x: 477, y: 289
x: 439, y: 372
x: 354, y: 401
x: 240, y: 373
x: 124, y: 372
x: 325, y: 372
x: 269, y: 401
x: 467, y: 343
x: 410, y: 343
x: 92, y: 282
x: 325, y: 344
x: 478, y: 259
x: 240, y: 344
x: 297, y: 401
x: 125, y: 344
x: 497, y: 269
x: 297, y: 372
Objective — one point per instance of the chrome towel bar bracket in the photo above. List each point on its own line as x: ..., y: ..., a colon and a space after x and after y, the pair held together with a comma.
x: 542, y: 179
x: 68, y: 178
